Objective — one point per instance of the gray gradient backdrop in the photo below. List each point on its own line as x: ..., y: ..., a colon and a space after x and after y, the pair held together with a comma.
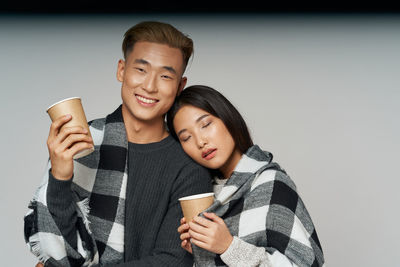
x: 320, y: 92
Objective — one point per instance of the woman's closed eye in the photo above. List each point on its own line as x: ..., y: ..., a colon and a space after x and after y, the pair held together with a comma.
x: 185, y: 138
x: 206, y: 124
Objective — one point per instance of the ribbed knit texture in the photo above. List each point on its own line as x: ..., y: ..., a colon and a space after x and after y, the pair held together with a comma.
x: 158, y: 174
x: 62, y: 207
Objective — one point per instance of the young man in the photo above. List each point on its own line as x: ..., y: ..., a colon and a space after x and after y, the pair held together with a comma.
x: 119, y: 205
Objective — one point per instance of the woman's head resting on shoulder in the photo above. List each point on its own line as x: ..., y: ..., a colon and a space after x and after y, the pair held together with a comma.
x: 210, y: 129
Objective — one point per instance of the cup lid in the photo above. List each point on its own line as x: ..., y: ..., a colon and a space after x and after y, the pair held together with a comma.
x: 69, y: 98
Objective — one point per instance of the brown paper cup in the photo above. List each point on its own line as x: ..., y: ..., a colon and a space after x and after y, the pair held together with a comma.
x: 74, y: 107
x: 193, y: 205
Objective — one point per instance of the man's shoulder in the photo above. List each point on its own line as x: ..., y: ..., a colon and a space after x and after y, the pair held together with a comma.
x: 178, y: 155
x: 97, y: 123
x: 100, y: 122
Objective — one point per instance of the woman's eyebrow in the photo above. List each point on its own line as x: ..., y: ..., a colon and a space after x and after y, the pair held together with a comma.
x: 180, y: 132
x: 202, y: 117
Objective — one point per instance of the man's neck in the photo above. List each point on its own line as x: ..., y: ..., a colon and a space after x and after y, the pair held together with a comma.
x: 144, y: 132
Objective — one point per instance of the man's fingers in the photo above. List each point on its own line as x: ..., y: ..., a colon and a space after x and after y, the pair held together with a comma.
x: 67, y: 131
x: 58, y: 123
x: 77, y: 147
x: 74, y: 138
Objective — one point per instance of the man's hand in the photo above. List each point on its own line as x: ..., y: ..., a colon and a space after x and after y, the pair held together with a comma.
x: 63, y: 144
x: 39, y: 264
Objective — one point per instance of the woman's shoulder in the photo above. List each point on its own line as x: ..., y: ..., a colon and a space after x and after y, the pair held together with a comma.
x: 275, y: 176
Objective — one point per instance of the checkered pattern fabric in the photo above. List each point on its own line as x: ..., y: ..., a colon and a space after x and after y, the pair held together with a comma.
x: 91, y: 187
x: 260, y: 205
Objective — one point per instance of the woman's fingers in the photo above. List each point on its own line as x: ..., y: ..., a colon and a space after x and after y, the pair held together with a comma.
x: 200, y: 243
x: 197, y: 235
x: 185, y: 236
x: 187, y: 246
x: 183, y: 220
x: 183, y: 228
x: 213, y: 217
x: 202, y: 221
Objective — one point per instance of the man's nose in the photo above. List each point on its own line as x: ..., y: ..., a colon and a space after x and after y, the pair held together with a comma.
x: 149, y: 83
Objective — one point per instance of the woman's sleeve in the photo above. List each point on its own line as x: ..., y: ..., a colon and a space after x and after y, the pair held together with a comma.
x: 241, y: 253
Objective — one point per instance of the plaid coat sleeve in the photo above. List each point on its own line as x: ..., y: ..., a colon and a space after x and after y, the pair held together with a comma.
x: 289, y: 227
x: 44, y: 238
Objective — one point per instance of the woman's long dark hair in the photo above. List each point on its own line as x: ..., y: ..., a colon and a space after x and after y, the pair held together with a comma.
x: 213, y: 102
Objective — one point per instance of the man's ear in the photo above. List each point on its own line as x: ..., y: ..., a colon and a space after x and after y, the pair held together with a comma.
x: 121, y: 70
x: 181, y: 85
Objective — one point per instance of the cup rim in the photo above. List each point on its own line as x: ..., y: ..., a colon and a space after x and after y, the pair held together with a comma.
x: 196, y: 196
x: 69, y: 98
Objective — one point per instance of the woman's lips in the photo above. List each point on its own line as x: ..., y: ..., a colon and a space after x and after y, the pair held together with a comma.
x: 209, y: 153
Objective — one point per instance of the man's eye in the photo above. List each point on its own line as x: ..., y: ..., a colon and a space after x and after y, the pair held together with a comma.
x: 140, y: 69
x: 166, y: 77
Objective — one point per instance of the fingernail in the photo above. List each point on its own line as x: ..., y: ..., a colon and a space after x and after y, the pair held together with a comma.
x: 68, y: 116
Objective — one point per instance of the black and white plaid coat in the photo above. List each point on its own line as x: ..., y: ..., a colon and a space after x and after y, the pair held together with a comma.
x: 91, y: 177
x: 104, y: 197
x: 260, y: 205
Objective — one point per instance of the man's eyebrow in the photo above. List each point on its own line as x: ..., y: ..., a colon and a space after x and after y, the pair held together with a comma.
x: 145, y: 62
x: 142, y: 61
x: 170, y: 69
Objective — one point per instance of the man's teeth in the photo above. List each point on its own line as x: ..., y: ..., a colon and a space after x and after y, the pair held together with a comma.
x: 146, y: 100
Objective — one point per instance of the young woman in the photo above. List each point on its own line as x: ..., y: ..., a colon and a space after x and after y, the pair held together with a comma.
x: 257, y: 219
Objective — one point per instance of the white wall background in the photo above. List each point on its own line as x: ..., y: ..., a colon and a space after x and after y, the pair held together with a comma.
x: 322, y: 93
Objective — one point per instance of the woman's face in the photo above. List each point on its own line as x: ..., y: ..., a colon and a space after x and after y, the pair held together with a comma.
x: 206, y: 139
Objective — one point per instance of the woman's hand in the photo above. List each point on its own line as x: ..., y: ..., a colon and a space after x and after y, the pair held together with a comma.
x: 183, y: 230
x: 212, y: 235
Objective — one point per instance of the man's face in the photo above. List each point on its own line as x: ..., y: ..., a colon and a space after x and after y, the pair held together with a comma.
x: 151, y: 78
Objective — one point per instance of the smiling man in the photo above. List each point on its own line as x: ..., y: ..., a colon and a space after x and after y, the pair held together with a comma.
x: 118, y: 206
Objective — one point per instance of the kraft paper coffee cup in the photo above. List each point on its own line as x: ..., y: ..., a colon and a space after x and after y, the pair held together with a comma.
x: 193, y: 205
x: 73, y: 106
